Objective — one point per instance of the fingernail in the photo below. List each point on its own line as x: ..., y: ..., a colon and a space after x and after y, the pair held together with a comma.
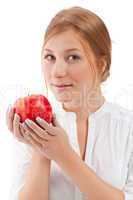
x: 38, y: 119
x: 28, y: 121
x: 16, y: 115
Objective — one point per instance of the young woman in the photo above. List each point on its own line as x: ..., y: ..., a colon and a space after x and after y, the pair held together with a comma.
x: 87, y: 151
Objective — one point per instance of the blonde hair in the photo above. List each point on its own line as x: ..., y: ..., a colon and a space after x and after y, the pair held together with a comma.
x: 91, y: 30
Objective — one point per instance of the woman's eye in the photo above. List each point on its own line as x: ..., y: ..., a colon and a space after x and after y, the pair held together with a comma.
x: 74, y: 57
x: 51, y: 57
x: 48, y: 57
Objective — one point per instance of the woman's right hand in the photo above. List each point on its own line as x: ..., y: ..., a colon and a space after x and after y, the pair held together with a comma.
x: 14, y: 125
x: 16, y: 128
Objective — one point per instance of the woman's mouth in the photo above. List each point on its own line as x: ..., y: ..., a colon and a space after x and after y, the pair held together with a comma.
x: 63, y: 87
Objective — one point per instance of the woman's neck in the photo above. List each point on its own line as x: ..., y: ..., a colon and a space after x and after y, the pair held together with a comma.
x: 82, y: 110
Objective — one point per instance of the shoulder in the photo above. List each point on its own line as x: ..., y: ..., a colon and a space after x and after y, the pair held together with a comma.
x: 120, y: 113
x: 117, y: 119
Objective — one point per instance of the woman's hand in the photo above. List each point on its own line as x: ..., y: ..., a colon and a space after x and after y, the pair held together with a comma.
x: 18, y: 131
x: 51, y: 139
x: 14, y: 126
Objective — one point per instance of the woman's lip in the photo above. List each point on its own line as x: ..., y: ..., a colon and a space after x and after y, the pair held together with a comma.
x: 61, y: 88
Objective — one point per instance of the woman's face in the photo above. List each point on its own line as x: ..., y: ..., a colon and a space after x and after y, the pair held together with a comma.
x: 64, y: 63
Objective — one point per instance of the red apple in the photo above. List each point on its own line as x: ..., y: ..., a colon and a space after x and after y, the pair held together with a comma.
x: 33, y: 106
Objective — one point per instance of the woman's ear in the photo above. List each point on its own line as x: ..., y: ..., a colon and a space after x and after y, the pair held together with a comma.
x: 102, y: 63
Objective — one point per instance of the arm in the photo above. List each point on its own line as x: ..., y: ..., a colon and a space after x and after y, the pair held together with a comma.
x: 31, y: 169
x: 88, y: 182
x: 37, y: 179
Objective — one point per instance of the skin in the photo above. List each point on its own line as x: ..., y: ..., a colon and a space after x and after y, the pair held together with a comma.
x: 65, y: 67
x: 51, y: 141
x: 61, y: 66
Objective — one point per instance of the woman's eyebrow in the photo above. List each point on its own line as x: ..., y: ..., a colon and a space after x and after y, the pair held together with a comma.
x: 72, y: 49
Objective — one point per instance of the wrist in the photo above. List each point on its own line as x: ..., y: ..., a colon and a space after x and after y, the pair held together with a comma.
x: 38, y: 157
x: 66, y: 155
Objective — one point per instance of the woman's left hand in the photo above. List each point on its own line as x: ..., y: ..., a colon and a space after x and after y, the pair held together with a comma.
x: 50, y: 139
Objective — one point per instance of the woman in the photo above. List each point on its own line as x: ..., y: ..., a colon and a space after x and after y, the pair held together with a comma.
x: 87, y: 151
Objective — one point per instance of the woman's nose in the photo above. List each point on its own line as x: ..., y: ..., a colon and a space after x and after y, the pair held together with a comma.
x: 59, y: 70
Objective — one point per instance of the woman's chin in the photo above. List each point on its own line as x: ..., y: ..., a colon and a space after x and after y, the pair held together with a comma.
x: 62, y: 98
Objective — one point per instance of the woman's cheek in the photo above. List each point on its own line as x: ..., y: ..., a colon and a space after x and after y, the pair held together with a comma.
x: 80, y: 75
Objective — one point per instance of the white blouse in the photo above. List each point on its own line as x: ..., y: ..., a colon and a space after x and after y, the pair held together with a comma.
x: 109, y: 152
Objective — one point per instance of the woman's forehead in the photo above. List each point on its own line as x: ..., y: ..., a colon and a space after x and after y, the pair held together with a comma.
x: 66, y: 40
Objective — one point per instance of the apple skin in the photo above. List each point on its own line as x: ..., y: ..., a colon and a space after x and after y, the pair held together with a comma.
x: 32, y: 106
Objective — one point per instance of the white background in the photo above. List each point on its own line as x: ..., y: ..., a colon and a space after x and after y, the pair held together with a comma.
x: 22, y: 26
